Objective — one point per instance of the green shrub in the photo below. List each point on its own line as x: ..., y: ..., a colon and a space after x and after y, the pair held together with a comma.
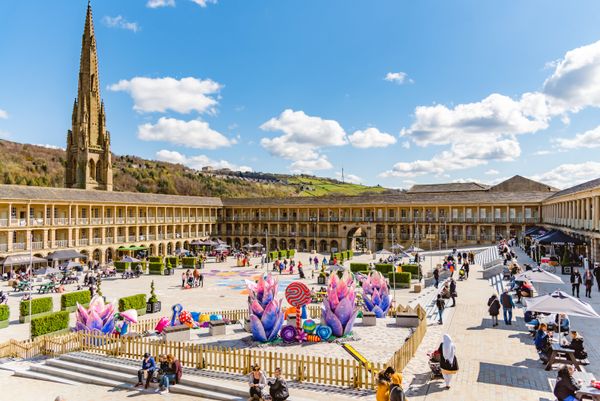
x: 412, y: 269
x: 137, y: 301
x: 4, y: 312
x: 122, y: 266
x: 153, y: 298
x: 358, y: 267
x: 273, y: 255
x: 49, y: 324
x: 402, y: 279
x: 384, y: 268
x: 283, y: 254
x: 72, y: 298
x: 157, y: 268
x: 155, y: 259
x: 291, y: 253
x: 189, y: 263
x: 38, y: 305
x: 172, y: 260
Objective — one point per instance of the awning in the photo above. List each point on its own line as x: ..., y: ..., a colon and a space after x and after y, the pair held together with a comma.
x: 536, y: 232
x: 23, y: 259
x: 558, y: 238
x: 66, y: 255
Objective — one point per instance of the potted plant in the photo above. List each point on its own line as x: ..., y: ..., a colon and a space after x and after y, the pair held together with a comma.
x: 98, y: 289
x: 153, y: 305
x: 322, y: 279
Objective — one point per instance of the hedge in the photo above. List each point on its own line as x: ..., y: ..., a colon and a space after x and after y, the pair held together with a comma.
x: 155, y: 259
x: 173, y: 260
x: 72, y: 298
x: 412, y: 269
x: 384, y: 268
x: 137, y: 302
x: 358, y: 267
x: 38, y: 305
x: 4, y: 312
x: 402, y: 279
x: 157, y: 268
x: 56, y: 321
x: 273, y: 255
x: 291, y: 253
x: 283, y: 254
x: 189, y: 263
x: 122, y: 266
x: 143, y: 265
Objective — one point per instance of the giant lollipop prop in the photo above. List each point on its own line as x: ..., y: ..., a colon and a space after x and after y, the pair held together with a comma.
x: 297, y: 294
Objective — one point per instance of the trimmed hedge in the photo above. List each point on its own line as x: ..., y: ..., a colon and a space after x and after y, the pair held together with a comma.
x: 283, y: 254
x: 137, y: 302
x: 38, y: 305
x: 358, y: 267
x: 412, y: 269
x: 384, y: 268
x: 122, y: 266
x: 155, y: 259
x: 402, y: 279
x: 157, y: 268
x: 273, y: 256
x: 72, y: 298
x: 4, y: 312
x: 50, y: 323
x: 143, y: 265
x: 291, y: 253
x: 189, y: 262
x: 172, y: 260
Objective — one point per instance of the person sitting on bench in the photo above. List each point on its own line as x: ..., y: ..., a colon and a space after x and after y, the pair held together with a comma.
x: 576, y: 345
x: 524, y: 290
x: 148, y: 367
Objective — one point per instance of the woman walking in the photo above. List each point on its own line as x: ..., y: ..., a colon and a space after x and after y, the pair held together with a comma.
x: 448, y: 361
x: 494, y: 309
x: 588, y: 281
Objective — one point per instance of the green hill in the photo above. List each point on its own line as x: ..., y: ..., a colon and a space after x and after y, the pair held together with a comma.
x: 25, y: 164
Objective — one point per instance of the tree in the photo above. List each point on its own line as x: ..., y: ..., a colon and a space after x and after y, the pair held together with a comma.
x: 153, y: 298
x: 566, y: 261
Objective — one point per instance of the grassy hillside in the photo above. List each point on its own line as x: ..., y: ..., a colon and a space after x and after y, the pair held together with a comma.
x: 25, y: 164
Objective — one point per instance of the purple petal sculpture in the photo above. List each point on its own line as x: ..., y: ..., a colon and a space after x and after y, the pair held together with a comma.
x: 266, y: 314
x: 98, y: 317
x: 339, y: 308
x: 376, y: 294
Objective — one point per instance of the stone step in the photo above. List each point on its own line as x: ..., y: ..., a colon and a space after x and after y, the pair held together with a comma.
x: 122, y: 373
x: 30, y: 374
x: 79, y: 377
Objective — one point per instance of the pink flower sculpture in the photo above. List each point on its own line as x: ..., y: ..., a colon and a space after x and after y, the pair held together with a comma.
x: 376, y: 294
x: 266, y: 313
x: 98, y: 317
x: 339, y: 308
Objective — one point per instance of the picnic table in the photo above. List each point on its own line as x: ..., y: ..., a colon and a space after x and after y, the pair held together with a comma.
x: 22, y: 286
x: 587, y: 391
x: 46, y: 287
x: 562, y: 355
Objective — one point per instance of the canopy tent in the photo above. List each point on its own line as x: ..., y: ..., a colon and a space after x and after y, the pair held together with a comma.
x: 414, y: 249
x: 561, y: 302
x: 129, y: 259
x: 558, y: 238
x: 22, y: 259
x: 539, y: 276
x: 397, y: 247
x: 384, y: 252
x: 66, y: 255
x: 72, y: 265
x: 257, y: 245
x: 535, y: 232
x: 44, y: 271
x: 336, y: 268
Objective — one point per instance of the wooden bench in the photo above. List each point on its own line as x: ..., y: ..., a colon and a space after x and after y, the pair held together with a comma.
x: 562, y: 355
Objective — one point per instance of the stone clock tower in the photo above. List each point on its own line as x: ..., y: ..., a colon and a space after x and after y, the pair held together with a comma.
x: 89, y: 163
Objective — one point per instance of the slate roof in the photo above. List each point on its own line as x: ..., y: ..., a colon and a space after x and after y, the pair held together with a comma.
x: 26, y: 193
x: 449, y: 187
x: 578, y: 188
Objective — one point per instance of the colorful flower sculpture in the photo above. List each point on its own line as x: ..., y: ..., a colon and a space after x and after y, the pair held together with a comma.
x: 376, y: 294
x: 266, y: 313
x: 98, y: 317
x: 339, y: 308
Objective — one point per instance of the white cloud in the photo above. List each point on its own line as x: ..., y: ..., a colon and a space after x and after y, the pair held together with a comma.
x: 47, y: 146
x: 492, y: 172
x: 120, y: 22
x: 192, y: 134
x: 351, y: 178
x: 542, y: 152
x: 3, y: 114
x: 567, y: 175
x: 308, y: 166
x: 398, y: 78
x: 203, y: 3
x: 197, y: 162
x: 160, y: 3
x: 371, y: 138
x: 588, y: 139
x: 162, y: 94
x: 406, y: 145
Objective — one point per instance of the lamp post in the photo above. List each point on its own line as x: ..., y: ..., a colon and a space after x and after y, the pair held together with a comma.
x: 267, y: 246
x: 417, y: 229
x: 30, y: 278
x: 313, y: 219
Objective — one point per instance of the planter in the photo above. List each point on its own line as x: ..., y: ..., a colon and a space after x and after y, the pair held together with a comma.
x: 217, y: 328
x: 177, y: 333
x: 369, y: 319
x: 407, y: 320
x: 153, y: 307
x: 417, y: 288
x: 26, y: 319
x: 321, y: 280
x: 3, y: 324
x: 141, y: 312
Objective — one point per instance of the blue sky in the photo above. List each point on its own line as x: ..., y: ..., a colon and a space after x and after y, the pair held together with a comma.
x: 474, y: 91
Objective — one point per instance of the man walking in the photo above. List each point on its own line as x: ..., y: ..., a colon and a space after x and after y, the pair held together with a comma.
x: 440, y: 307
x: 436, y: 277
x: 576, y: 281
x: 597, y: 274
x: 507, y: 306
x: 453, y: 292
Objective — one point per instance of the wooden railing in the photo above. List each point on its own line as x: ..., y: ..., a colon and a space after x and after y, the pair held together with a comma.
x: 401, y: 357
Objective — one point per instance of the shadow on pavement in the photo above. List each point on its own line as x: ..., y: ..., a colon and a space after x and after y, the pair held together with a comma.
x: 513, y: 376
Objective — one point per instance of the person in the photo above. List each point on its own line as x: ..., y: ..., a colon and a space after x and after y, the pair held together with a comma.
x: 494, y: 309
x: 453, y: 293
x: 436, y: 277
x: 467, y: 267
x: 196, y: 274
x: 561, y: 323
x: 395, y: 380
x: 525, y: 289
x: 301, y: 271
x: 576, y: 281
x: 597, y: 274
x: 383, y: 387
x: 148, y: 368
x: 543, y: 342
x: 440, y: 307
x: 257, y: 382
x: 183, y: 279
x: 507, y: 306
x: 278, y: 388
x: 576, y: 345
x: 588, y: 281
x: 172, y: 373
x: 448, y: 361
x: 566, y: 386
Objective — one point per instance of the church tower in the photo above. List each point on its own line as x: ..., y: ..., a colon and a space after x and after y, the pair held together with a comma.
x: 89, y: 163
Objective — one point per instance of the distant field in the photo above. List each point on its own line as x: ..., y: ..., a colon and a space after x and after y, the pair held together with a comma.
x: 324, y: 187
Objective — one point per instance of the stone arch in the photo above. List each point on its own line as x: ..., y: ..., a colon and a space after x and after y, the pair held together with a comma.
x: 186, y: 245
x: 161, y: 249
x: 237, y: 243
x: 282, y: 243
x: 99, y: 170
x: 152, y: 250
x: 92, y: 168
x: 273, y: 244
x: 109, y: 255
x: 302, y: 245
x: 97, y: 255
x: 254, y: 241
x: 263, y: 241
x: 322, y: 246
x: 334, y: 244
x: 177, y: 245
x: 311, y: 245
x: 245, y: 241
x: 228, y: 241
x: 170, y: 248
x: 292, y: 244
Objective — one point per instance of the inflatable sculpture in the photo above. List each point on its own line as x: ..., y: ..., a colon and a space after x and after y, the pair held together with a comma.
x: 98, y: 317
x: 266, y: 313
x: 376, y: 295
x: 123, y: 320
x: 339, y: 308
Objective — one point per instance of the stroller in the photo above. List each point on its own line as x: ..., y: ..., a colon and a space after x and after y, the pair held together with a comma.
x: 461, y: 274
x: 434, y: 365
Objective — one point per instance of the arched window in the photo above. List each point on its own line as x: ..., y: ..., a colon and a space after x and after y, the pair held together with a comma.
x: 92, y: 169
x: 99, y: 170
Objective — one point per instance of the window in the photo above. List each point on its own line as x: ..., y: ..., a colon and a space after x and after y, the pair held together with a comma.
x: 498, y: 213
x: 455, y: 213
x: 48, y: 212
x: 31, y: 213
x: 83, y: 213
x: 13, y: 212
x: 483, y: 213
x: 469, y: 213
x: 527, y: 213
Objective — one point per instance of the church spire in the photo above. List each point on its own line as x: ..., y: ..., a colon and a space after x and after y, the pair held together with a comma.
x: 88, y: 142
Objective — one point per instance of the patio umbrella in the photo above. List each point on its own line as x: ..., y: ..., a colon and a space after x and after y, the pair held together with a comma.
x: 539, y: 276
x: 397, y: 246
x: 336, y: 268
x: 129, y: 259
x: 383, y: 252
x: 72, y: 265
x: 44, y: 271
x: 414, y: 249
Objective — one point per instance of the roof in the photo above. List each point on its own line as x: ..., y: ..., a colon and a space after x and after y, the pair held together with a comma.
x: 519, y: 183
x: 593, y: 184
x: 27, y: 193
x: 449, y: 187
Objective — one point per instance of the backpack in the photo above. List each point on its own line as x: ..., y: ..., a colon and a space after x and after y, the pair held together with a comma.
x: 397, y: 394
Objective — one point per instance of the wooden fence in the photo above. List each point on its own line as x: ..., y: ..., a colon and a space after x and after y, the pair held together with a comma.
x: 303, y: 368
